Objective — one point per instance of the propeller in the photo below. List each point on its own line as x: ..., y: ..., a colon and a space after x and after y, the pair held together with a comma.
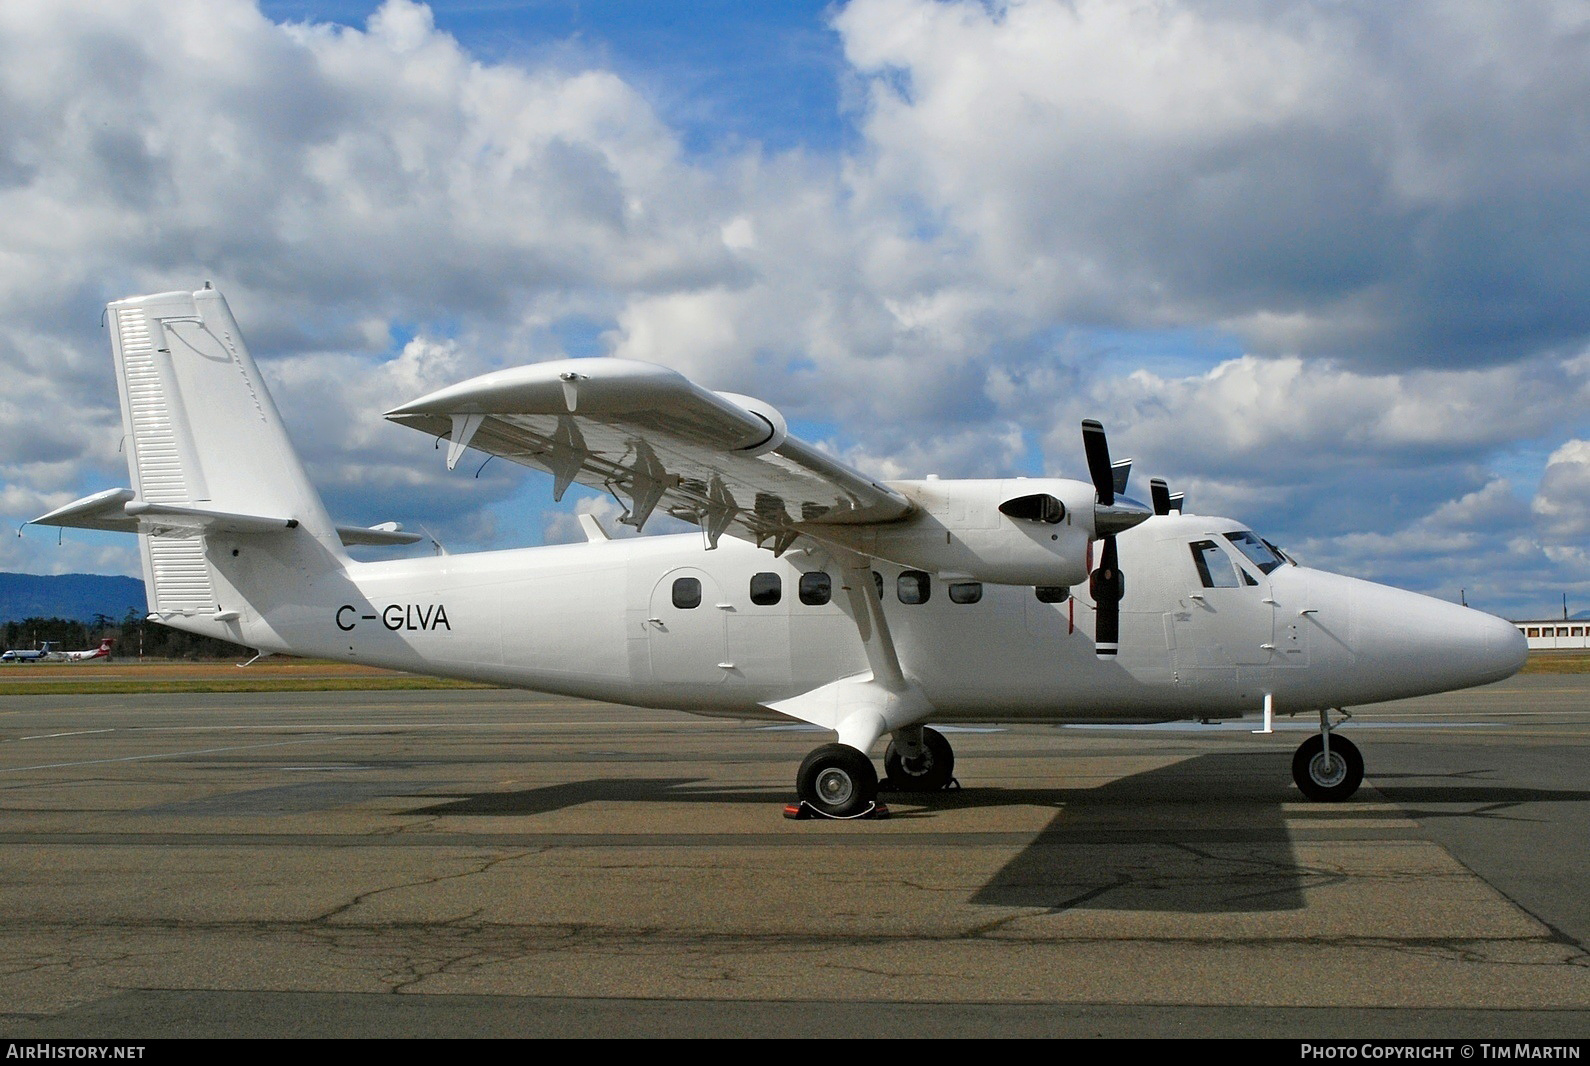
x: 1110, y: 516
x: 1159, y: 492
x: 1166, y: 501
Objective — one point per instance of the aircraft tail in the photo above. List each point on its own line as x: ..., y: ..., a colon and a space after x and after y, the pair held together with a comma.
x: 211, y: 466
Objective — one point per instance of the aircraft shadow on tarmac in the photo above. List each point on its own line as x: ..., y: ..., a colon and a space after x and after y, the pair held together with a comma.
x: 1480, y: 799
x: 1203, y: 835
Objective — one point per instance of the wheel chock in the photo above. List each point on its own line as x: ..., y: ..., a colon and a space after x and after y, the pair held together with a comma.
x: 803, y: 810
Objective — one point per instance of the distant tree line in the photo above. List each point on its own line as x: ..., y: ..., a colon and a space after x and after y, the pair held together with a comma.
x: 135, y: 636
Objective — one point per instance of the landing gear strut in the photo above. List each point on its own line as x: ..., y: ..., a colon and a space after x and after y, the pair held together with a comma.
x: 1326, y: 767
x: 928, y: 765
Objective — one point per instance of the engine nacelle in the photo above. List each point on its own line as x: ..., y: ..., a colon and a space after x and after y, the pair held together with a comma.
x: 1018, y: 531
x: 777, y: 428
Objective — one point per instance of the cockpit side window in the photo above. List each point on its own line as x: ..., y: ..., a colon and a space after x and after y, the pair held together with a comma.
x: 1279, y: 554
x: 1257, y: 551
x: 1215, y: 568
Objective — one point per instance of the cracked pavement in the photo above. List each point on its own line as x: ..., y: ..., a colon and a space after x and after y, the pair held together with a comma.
x: 497, y: 844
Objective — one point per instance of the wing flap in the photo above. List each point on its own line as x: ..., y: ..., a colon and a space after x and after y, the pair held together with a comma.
x: 655, y: 439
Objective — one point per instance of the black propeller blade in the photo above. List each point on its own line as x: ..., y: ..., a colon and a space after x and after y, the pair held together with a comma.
x: 1159, y: 488
x: 1121, y: 470
x: 1108, y: 586
x: 1110, y: 517
x: 1097, y: 449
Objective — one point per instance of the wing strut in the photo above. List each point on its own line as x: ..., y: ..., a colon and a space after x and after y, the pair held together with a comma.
x: 863, y: 707
x: 867, y: 608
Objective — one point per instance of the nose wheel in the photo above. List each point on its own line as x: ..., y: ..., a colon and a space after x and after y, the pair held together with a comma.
x: 1327, y: 774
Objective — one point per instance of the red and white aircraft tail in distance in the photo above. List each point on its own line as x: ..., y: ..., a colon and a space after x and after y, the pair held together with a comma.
x: 101, y: 652
x: 813, y: 592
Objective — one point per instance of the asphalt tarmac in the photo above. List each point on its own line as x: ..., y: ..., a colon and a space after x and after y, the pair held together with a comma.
x: 490, y: 863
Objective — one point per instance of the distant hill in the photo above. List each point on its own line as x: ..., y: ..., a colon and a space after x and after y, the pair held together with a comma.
x: 76, y: 596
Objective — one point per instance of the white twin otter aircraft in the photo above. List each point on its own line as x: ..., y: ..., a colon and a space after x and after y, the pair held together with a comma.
x: 812, y: 591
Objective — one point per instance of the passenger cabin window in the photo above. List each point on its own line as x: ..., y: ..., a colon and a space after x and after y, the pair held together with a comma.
x: 877, y: 581
x: 687, y: 593
x: 913, y: 586
x: 816, y: 588
x: 1215, y: 568
x: 766, y: 589
x: 966, y: 592
x: 1257, y: 551
x: 1052, y: 593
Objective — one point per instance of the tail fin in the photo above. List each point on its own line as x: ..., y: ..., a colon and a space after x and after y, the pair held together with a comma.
x: 207, y: 451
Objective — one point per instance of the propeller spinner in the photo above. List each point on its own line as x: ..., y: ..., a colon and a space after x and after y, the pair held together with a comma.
x: 1113, y: 513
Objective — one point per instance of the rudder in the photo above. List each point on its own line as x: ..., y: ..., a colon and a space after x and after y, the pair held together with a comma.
x: 203, y: 434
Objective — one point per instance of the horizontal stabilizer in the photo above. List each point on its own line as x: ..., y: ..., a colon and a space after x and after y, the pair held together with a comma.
x: 162, y: 517
x: 387, y: 534
x: 120, y: 511
x: 103, y: 510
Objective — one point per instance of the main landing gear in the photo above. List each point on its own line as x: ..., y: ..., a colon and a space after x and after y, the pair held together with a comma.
x: 924, y: 762
x: 838, y: 781
x: 1327, y: 767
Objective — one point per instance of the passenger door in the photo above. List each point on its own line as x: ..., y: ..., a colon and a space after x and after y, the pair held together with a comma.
x: 686, y: 629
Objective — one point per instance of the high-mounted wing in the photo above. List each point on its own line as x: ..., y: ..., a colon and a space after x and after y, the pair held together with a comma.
x: 654, y: 439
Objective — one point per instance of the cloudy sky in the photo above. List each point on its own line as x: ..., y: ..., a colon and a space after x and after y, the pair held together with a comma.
x: 1325, y: 266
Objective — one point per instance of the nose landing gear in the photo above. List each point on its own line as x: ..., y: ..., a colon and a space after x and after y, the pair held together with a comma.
x: 1326, y: 767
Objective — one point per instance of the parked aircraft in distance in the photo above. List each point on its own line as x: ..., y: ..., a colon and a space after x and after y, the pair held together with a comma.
x: 812, y: 592
x: 101, y: 652
x: 43, y: 653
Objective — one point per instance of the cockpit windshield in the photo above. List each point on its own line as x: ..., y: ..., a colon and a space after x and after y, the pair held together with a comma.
x: 1257, y: 550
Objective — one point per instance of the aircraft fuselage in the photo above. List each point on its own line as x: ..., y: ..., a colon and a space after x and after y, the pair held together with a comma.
x: 659, y: 621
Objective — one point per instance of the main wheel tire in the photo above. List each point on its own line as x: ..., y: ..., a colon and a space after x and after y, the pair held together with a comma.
x: 837, y: 780
x: 1328, y: 780
x: 930, y: 771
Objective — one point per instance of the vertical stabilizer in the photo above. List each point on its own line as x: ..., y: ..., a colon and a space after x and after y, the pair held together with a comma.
x: 203, y: 433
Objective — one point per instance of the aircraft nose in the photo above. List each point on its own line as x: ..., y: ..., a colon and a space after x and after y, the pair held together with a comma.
x: 1472, y: 647
x: 1506, y: 648
x: 1417, y: 644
